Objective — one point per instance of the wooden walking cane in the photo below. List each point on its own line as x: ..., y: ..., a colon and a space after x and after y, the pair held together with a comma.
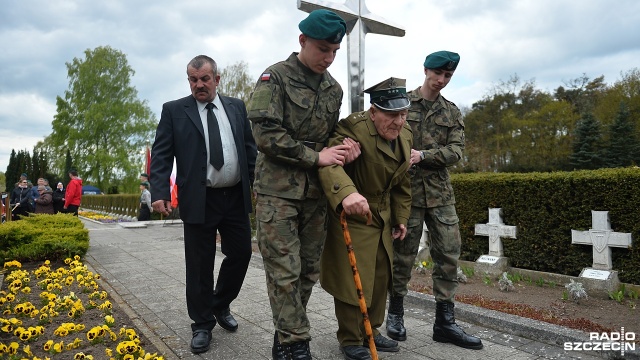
x: 356, y: 277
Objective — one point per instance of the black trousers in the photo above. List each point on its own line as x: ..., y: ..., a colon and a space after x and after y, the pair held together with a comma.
x: 72, y: 209
x: 145, y: 213
x: 224, y: 213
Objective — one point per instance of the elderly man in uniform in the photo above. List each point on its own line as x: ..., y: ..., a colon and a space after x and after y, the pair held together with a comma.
x: 377, y: 182
x: 438, y: 141
x: 294, y: 107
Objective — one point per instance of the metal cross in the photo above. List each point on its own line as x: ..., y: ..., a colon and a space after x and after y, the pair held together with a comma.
x: 359, y: 22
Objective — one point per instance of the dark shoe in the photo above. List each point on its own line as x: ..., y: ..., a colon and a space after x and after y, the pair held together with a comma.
x: 200, y: 341
x: 278, y: 351
x: 395, y: 319
x: 299, y: 350
x: 383, y: 344
x: 446, y: 330
x: 353, y: 352
x: 226, y: 320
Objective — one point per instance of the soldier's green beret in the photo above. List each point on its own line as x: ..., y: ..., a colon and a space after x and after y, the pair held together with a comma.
x: 324, y: 25
x: 390, y: 94
x: 444, y: 60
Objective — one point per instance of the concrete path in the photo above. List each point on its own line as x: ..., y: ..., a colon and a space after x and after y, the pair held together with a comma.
x: 142, y: 267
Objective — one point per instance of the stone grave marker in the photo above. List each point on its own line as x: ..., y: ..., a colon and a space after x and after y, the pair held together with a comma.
x: 601, y: 274
x: 495, y: 262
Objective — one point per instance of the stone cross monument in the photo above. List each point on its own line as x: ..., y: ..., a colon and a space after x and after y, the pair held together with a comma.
x: 495, y: 263
x: 495, y: 229
x: 602, y: 238
x: 359, y: 22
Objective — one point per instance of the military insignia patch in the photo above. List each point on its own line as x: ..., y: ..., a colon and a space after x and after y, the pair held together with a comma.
x: 265, y: 77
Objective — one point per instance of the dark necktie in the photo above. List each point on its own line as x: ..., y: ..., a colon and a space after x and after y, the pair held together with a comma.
x: 215, y: 143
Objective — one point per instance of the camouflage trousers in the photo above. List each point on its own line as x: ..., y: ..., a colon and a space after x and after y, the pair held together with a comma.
x: 291, y: 235
x: 444, y: 247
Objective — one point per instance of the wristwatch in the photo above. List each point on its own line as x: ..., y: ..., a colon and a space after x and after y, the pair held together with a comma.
x: 422, y: 155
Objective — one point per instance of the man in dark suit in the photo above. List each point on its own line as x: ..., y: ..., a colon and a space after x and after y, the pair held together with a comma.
x: 210, y: 137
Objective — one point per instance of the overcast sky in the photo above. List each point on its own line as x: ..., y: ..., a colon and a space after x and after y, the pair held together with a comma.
x: 549, y: 41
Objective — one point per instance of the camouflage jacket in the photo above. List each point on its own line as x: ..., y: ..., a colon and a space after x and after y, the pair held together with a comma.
x: 438, y: 133
x: 291, y: 124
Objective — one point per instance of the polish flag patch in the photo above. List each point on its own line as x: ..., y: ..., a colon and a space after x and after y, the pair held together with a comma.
x: 265, y: 77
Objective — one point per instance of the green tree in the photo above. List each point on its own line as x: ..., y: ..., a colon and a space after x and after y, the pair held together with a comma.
x: 12, y: 174
x: 100, y: 120
x: 68, y: 165
x: 587, y: 152
x: 583, y: 94
x: 623, y: 146
x: 236, y: 82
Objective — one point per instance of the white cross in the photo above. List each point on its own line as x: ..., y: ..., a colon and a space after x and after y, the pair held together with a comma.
x: 360, y: 21
x: 602, y: 238
x: 496, y: 229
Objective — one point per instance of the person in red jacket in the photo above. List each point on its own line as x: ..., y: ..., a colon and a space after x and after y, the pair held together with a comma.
x: 74, y: 194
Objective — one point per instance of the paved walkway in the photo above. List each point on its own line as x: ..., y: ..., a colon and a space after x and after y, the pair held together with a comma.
x: 143, y: 270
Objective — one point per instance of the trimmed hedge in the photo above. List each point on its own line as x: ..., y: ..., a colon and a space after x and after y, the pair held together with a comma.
x: 545, y: 207
x: 123, y: 204
x: 41, y: 237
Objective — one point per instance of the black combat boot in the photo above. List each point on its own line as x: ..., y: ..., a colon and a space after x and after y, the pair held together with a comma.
x: 300, y: 350
x: 279, y: 351
x: 395, y: 319
x: 446, y: 330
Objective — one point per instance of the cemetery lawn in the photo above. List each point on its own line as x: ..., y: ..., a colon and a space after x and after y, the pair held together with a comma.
x: 543, y: 301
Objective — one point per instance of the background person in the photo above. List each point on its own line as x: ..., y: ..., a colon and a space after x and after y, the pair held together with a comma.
x: 44, y: 204
x: 294, y: 107
x: 58, y: 198
x: 438, y: 141
x: 73, y: 195
x: 377, y: 182
x: 144, y: 213
x: 34, y: 190
x: 19, y: 202
x: 214, y: 191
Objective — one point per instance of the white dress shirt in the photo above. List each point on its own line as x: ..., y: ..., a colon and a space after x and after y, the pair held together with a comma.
x: 229, y: 173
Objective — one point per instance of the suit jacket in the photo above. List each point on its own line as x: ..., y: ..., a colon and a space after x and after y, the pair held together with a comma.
x: 180, y: 134
x: 382, y: 178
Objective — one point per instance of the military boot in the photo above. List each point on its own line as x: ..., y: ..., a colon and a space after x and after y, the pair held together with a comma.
x: 446, y: 330
x: 300, y: 350
x: 395, y: 319
x: 279, y: 351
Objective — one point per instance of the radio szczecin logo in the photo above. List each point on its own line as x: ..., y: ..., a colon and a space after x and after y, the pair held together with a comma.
x: 617, y: 341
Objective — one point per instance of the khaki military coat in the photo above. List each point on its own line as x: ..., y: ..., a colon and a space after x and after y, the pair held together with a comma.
x: 380, y: 176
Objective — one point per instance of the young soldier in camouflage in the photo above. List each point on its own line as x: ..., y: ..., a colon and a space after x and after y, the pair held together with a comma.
x: 294, y: 107
x: 438, y: 140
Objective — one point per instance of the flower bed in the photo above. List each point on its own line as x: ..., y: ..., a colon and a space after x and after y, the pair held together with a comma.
x: 50, y: 311
x: 103, y: 218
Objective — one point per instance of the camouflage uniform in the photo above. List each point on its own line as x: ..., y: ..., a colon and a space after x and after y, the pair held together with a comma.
x: 293, y: 111
x: 438, y: 132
